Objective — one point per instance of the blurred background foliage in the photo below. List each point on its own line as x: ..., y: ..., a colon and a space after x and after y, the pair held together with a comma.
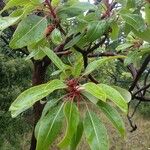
x: 15, y: 76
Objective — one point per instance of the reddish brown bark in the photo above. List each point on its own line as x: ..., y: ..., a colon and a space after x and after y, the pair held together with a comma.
x: 38, y: 78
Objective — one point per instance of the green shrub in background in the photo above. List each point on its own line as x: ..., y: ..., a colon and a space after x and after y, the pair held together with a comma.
x: 14, y: 78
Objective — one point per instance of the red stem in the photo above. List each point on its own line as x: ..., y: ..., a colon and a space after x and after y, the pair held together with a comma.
x: 51, y: 9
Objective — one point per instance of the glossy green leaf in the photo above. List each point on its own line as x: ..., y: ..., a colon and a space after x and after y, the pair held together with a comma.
x: 30, y: 30
x: 135, y: 20
x: 56, y: 36
x: 90, y: 97
x: 57, y: 72
x: 77, y: 136
x: 54, y: 58
x: 72, y: 117
x: 48, y: 128
x: 77, y: 67
x: 95, y: 132
x: 73, y: 41
x: 55, y: 3
x: 48, y: 106
x: 95, y: 90
x: 76, y: 9
x: 125, y: 94
x: 5, y: 22
x: 130, y: 4
x: 97, y: 63
x: 96, y: 29
x: 143, y: 34
x: 26, y: 99
x: 37, y: 1
x: 37, y: 54
x: 15, y: 3
x: 115, y: 96
x: 132, y: 58
x: 16, y: 13
x: 28, y: 9
x: 124, y: 46
x: 115, y: 31
x: 113, y: 116
x: 35, y: 50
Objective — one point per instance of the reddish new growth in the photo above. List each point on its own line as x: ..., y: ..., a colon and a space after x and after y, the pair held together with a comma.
x: 73, y: 90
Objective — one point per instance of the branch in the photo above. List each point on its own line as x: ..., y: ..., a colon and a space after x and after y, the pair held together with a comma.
x: 142, y: 89
x: 134, y: 127
x: 143, y: 99
x: 96, y: 45
x: 145, y: 81
x: 50, y: 8
x: 139, y: 73
x: 62, y: 45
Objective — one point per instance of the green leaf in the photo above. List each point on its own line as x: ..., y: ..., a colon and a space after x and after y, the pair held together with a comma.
x: 115, y: 96
x: 29, y: 8
x: 75, y: 9
x: 143, y: 34
x: 96, y: 29
x: 26, y: 99
x: 97, y: 63
x: 74, y: 41
x: 55, y: 2
x: 77, y: 136
x: 48, y: 106
x: 125, y: 94
x: 130, y: 4
x: 37, y: 54
x: 132, y: 57
x: 147, y: 13
x: 89, y: 96
x: 15, y: 3
x: 57, y: 72
x: 115, y: 31
x: 37, y: 1
x: 35, y: 50
x: 113, y: 116
x: 95, y: 90
x: 135, y: 20
x: 16, y: 13
x: 48, y: 128
x: 72, y: 118
x: 56, y: 36
x: 54, y: 58
x: 5, y: 22
x: 124, y: 46
x: 77, y: 67
x: 30, y: 30
x: 95, y: 132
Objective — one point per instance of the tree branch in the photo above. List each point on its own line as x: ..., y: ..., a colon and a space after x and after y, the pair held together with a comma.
x: 139, y: 73
x: 142, y: 89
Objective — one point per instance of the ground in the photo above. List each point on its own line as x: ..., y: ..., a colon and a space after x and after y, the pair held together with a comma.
x: 138, y: 140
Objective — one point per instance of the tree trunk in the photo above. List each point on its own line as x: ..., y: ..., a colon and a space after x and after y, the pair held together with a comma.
x: 38, y: 78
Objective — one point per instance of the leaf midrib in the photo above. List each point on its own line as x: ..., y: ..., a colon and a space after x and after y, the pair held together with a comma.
x: 94, y: 128
x: 52, y: 123
x: 31, y: 29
